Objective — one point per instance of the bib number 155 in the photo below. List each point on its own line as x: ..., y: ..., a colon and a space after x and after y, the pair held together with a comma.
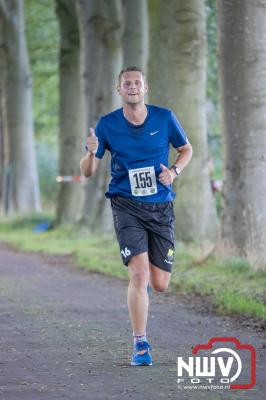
x: 142, y: 181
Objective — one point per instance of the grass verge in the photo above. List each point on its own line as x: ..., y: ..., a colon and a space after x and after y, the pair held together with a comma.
x: 232, y: 284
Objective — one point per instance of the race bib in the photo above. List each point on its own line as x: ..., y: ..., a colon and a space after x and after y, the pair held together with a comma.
x: 142, y: 181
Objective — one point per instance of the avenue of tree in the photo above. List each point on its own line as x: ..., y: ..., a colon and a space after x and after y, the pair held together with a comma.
x: 167, y: 38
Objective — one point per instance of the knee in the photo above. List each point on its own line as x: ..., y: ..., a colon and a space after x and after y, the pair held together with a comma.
x: 139, y: 278
x: 139, y: 273
x: 160, y: 286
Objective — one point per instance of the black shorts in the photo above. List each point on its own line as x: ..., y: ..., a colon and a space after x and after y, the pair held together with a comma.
x: 142, y: 227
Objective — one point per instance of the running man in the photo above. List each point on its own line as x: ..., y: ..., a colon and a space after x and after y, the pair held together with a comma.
x: 138, y: 137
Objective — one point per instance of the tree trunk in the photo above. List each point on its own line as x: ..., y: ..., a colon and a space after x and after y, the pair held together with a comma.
x: 177, y: 76
x: 136, y: 33
x: 2, y: 146
x: 25, y: 194
x: 2, y: 163
x: 5, y: 195
x: 70, y: 134
x: 100, y: 24
x: 242, y: 57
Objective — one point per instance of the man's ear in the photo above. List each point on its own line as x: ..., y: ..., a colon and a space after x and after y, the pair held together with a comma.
x: 118, y: 89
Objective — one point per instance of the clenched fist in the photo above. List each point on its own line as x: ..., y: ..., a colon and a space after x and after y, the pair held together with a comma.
x: 165, y: 177
x: 92, y: 142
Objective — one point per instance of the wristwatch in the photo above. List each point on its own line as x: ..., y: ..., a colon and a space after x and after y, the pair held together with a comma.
x: 176, y: 169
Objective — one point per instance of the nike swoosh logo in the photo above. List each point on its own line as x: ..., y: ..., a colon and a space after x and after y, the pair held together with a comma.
x: 153, y: 133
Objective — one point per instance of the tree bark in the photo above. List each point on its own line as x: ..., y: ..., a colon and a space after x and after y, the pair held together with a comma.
x: 5, y: 195
x: 242, y: 58
x: 2, y: 164
x: 70, y: 133
x: 2, y: 146
x: 177, y: 76
x: 100, y: 24
x: 136, y: 33
x: 17, y: 103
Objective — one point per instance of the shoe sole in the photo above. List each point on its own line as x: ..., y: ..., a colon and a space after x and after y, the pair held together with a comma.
x: 133, y: 364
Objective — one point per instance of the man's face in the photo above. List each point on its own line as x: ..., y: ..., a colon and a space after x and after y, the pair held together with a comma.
x: 132, y: 87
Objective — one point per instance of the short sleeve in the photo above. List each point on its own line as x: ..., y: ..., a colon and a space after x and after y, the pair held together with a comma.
x: 177, y: 135
x: 100, y: 133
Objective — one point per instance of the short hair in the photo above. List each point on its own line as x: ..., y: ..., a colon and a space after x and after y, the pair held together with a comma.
x: 128, y: 69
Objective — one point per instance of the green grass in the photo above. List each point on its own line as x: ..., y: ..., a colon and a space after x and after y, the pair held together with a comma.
x: 232, y: 284
x: 234, y: 287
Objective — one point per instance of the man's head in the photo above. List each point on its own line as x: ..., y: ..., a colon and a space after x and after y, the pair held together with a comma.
x: 132, y: 85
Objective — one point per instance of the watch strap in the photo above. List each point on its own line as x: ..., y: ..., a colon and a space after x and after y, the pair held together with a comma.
x: 176, y: 169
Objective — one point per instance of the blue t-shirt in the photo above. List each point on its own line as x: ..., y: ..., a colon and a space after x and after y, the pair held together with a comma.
x: 137, y: 151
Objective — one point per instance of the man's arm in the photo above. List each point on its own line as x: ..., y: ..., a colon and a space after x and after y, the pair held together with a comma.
x: 167, y: 176
x: 90, y: 163
x: 184, y: 156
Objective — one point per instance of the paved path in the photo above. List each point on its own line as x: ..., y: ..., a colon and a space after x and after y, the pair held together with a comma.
x: 64, y: 334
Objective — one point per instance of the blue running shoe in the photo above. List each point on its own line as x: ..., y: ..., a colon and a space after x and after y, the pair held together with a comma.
x: 141, y: 354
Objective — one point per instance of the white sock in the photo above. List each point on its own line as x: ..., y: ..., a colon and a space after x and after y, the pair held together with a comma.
x: 140, y: 337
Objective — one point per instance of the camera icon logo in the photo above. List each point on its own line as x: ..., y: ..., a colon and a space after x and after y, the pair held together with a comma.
x: 226, y: 364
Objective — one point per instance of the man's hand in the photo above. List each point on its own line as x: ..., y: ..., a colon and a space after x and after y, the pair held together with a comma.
x: 166, y: 177
x: 92, y: 142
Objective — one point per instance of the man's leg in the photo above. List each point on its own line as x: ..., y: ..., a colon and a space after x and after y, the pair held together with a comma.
x: 138, y: 298
x: 159, y: 279
x: 138, y: 306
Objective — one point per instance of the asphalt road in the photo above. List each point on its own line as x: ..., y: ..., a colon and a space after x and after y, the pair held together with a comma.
x: 65, y: 334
